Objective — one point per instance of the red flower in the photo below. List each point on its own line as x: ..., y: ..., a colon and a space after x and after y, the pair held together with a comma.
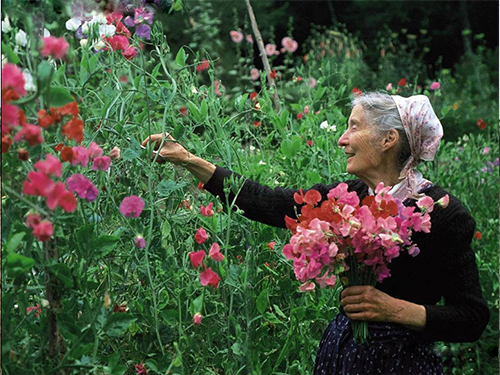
x: 67, y: 154
x: 300, y: 115
x: 478, y: 235
x: 183, y: 111
x: 73, y: 129
x: 200, y: 236
x: 209, y: 277
x: 271, y: 244
x: 402, y: 82
x: 197, y: 319
x: 204, y: 65
x: 256, y: 124
x: 6, y: 142
x: 69, y: 109
x: 37, y: 308
x: 23, y: 154
x: 55, y: 47
x: 253, y: 95
x: 139, y: 369
x: 118, y: 42
x: 356, y: 91
x: 310, y: 142
x: 43, y: 231
x: 129, y: 53
x: 196, y: 258
x: 273, y: 74
x: 481, y: 124
x: 10, y: 117
x: 200, y: 185
x: 58, y: 147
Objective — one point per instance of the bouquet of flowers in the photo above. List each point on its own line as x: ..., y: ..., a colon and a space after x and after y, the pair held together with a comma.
x: 356, y: 242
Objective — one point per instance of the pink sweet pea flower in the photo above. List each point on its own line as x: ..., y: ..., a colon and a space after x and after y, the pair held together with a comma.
x: 82, y: 186
x: 254, y: 73
x: 132, y: 206
x: 271, y: 49
x: 197, y: 319
x: 426, y: 204
x: 80, y: 156
x: 61, y: 197
x: 307, y: 287
x: 236, y: 36
x: 196, y: 258
x: 31, y: 133
x: 209, y: 277
x: 32, y: 220
x: 249, y: 38
x: 43, y: 230
x: 435, y: 85
x: 12, y: 77
x: 10, y: 117
x: 36, y: 308
x: 312, y: 82
x: 207, y: 211
x: 140, y: 369
x: 271, y: 245
x: 202, y: 66
x: 443, y: 202
x: 201, y: 236
x: 115, y: 153
x: 50, y: 166
x: 101, y: 163
x: 289, y: 44
x: 94, y: 151
x: 38, y: 184
x: 55, y: 47
x: 215, y: 253
x: 118, y: 42
x: 217, y: 87
x: 486, y: 151
x: 139, y: 242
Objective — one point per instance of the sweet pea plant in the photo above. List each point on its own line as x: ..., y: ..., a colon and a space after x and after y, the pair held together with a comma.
x: 358, y: 242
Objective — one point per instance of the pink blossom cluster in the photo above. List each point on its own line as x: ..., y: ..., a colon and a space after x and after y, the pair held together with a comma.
x: 82, y: 156
x: 326, y: 236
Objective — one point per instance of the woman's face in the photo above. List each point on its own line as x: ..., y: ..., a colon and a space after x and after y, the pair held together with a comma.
x: 361, y: 144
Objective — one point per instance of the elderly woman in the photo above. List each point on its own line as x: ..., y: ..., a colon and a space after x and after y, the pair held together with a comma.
x: 387, y: 136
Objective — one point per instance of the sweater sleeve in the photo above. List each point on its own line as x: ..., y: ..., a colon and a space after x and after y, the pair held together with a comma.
x: 262, y: 203
x: 465, y: 313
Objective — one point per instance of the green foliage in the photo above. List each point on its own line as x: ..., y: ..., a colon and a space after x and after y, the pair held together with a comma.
x: 120, y: 306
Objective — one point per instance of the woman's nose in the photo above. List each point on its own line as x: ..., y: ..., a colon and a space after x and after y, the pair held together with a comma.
x: 343, y: 141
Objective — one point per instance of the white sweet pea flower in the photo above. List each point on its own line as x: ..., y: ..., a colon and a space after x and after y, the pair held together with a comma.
x: 4, y: 60
x: 107, y: 30
x: 193, y: 90
x: 324, y: 125
x: 6, y: 25
x: 21, y: 39
x: 85, y: 27
x: 332, y: 128
x: 46, y: 33
x: 99, y: 45
x: 83, y: 42
x: 29, y: 84
x: 100, y: 19
x: 73, y: 24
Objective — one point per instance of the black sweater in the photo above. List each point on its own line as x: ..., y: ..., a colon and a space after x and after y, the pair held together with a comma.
x: 445, y: 268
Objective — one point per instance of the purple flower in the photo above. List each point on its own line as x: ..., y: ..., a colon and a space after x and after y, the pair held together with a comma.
x: 132, y: 206
x: 142, y: 31
x: 82, y: 186
x: 142, y: 14
x: 139, y: 242
x: 129, y: 21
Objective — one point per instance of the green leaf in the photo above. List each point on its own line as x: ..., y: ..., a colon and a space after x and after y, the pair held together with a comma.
x: 178, y: 131
x: 63, y: 273
x: 17, y: 265
x: 262, y: 301
x: 14, y: 242
x: 104, y: 244
x: 59, y: 96
x: 167, y: 187
x: 130, y: 154
x: 203, y: 109
x: 290, y: 147
x: 181, y: 57
x: 117, y: 324
x: 196, y: 304
x: 11, y: 55
x: 45, y: 72
x: 279, y: 312
x: 194, y: 111
x: 318, y: 93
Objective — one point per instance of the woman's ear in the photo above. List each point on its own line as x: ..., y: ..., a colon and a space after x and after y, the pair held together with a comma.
x: 390, y: 139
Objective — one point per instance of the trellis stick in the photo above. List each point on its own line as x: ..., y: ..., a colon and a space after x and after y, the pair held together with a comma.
x: 263, y: 55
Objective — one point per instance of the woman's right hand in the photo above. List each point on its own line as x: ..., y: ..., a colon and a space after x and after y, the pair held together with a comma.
x: 170, y: 150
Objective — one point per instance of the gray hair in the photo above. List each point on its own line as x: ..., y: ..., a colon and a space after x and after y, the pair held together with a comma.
x: 381, y: 113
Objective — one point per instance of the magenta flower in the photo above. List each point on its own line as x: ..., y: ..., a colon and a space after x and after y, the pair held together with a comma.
x: 140, y: 369
x: 12, y: 77
x: 142, y: 31
x: 101, y: 163
x: 31, y: 133
x: 94, y: 151
x: 209, y: 277
x: 289, y: 44
x: 236, y: 36
x: 200, y: 236
x: 139, y: 242
x: 55, y: 47
x: 82, y: 186
x: 217, y: 87
x: 130, y: 53
x: 196, y: 258
x: 312, y: 82
x: 207, y: 211
x: 249, y: 38
x: 32, y: 220
x: 132, y: 206
x: 197, y: 319
x: 486, y: 150
x: 215, y: 253
x: 435, y: 85
x: 80, y: 156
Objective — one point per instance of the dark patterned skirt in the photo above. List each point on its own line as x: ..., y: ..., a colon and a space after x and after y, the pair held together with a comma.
x: 392, y: 350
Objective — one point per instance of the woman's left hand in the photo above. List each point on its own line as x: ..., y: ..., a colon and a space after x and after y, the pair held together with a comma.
x: 368, y: 303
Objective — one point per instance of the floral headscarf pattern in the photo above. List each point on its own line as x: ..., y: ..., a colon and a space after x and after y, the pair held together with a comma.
x: 424, y: 132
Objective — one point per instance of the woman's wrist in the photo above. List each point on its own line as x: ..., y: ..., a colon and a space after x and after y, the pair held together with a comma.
x: 411, y: 315
x: 198, y: 167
